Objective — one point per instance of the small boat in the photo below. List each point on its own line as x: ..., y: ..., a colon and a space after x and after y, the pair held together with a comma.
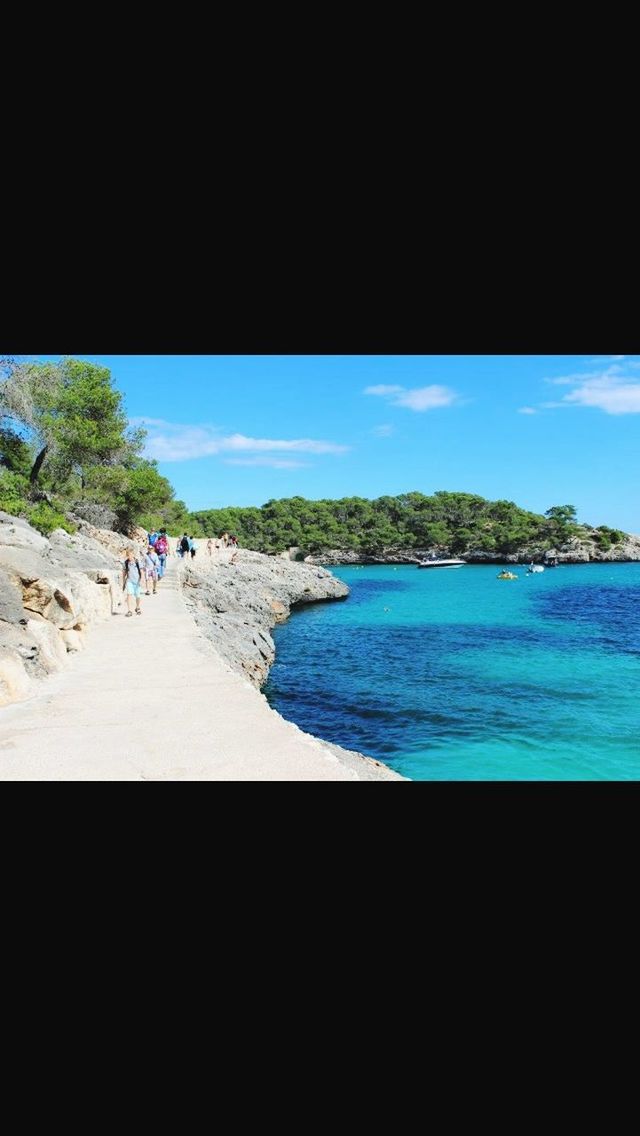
x: 506, y: 576
x: 442, y: 564
x: 534, y: 569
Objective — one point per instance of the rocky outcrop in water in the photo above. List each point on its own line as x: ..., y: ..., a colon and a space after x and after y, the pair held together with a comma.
x: 237, y: 597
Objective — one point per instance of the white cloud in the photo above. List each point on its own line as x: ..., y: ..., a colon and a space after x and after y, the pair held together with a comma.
x: 383, y: 431
x: 581, y: 376
x: 300, y: 445
x: 607, y: 359
x: 169, y: 441
x: 608, y: 394
x: 527, y: 410
x: 613, y: 389
x: 426, y: 398
x: 275, y: 463
x: 382, y: 390
x: 419, y: 399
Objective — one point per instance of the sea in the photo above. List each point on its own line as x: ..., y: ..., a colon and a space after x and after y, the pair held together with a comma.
x: 454, y: 675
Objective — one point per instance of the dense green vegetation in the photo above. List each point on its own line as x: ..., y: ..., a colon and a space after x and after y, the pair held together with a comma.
x: 66, y: 450
x: 446, y: 522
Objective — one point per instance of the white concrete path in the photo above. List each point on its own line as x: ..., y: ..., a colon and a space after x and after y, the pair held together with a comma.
x: 150, y: 700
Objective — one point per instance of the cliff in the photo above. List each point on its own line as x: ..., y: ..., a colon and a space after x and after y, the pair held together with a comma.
x: 51, y: 591
x: 237, y: 598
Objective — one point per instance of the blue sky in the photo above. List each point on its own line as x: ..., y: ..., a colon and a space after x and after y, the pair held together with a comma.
x: 540, y: 430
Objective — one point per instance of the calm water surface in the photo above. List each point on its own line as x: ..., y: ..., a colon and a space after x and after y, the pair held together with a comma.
x: 454, y: 675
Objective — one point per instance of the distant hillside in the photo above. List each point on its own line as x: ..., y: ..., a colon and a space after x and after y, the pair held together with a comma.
x: 454, y: 523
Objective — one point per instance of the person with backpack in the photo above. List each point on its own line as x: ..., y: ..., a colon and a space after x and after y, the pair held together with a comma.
x: 151, y: 569
x: 184, y: 546
x: 132, y: 580
x: 152, y: 537
x: 162, y: 549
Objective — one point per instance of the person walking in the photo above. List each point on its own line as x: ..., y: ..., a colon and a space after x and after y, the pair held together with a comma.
x: 151, y: 569
x: 162, y: 549
x: 184, y: 546
x: 192, y: 547
x: 132, y: 581
x: 209, y: 546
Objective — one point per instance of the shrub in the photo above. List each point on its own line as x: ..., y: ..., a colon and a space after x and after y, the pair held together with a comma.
x: 45, y: 518
x: 14, y: 490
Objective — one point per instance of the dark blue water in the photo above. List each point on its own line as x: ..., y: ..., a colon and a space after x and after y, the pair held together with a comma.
x: 455, y: 675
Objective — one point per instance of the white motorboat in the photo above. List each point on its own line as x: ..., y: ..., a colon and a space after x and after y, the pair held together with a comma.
x: 442, y: 564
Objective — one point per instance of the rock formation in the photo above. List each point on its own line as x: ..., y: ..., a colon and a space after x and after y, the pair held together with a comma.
x: 575, y: 551
x: 236, y: 601
x: 51, y: 590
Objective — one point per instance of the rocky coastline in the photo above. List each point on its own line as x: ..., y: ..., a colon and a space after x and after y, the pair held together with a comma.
x: 575, y: 551
x: 237, y: 598
x: 54, y: 590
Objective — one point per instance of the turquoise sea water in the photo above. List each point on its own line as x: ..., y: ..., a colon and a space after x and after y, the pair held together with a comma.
x: 454, y: 675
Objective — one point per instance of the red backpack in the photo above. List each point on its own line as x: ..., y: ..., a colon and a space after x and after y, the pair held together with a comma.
x: 162, y: 546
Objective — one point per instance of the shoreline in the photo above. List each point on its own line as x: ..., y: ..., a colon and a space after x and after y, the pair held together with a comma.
x: 254, y: 655
x: 92, y: 703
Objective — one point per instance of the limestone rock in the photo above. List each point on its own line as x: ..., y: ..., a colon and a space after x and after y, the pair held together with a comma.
x: 52, y: 652
x: 22, y: 563
x: 114, y: 543
x: 17, y: 638
x: 72, y: 640
x: 77, y: 552
x: 10, y: 600
x: 236, y: 602
x: 90, y: 602
x: 15, y: 684
x: 48, y: 598
x: 50, y: 590
x: 100, y: 516
x: 19, y: 533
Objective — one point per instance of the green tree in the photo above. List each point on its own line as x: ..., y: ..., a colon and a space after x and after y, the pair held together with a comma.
x: 562, y: 523
x: 141, y: 492
x: 70, y: 412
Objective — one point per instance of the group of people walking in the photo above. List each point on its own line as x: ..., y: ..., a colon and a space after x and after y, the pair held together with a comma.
x: 185, y: 546
x: 146, y: 571
x: 226, y: 540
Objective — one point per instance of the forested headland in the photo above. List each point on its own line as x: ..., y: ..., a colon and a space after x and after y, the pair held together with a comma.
x: 455, y: 523
x: 67, y: 452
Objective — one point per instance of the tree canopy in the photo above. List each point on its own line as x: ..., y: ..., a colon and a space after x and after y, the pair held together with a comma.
x: 445, y: 522
x: 66, y: 448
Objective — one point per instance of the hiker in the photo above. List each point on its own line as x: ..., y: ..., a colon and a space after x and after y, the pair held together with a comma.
x: 151, y: 569
x: 162, y: 549
x: 184, y: 546
x: 192, y: 547
x: 152, y: 537
x: 209, y: 546
x: 131, y: 581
